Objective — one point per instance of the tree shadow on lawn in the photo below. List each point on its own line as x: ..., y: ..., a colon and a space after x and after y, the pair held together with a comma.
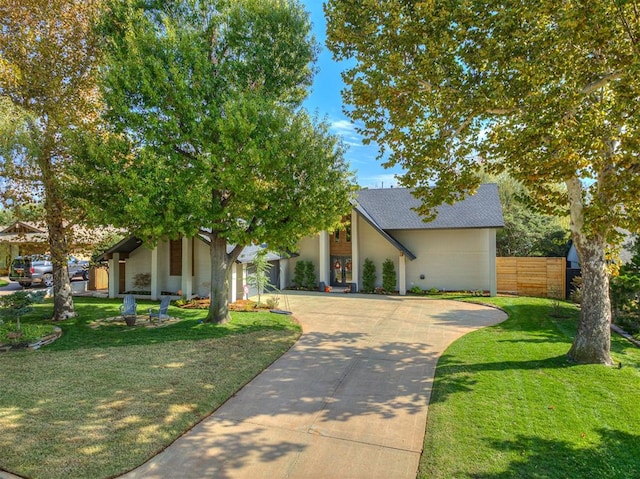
x: 612, y: 455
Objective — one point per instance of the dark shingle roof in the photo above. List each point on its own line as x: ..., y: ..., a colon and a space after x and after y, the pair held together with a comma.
x: 391, y: 209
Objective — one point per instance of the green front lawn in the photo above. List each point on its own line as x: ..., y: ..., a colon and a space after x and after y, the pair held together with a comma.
x: 99, y: 402
x: 507, y: 404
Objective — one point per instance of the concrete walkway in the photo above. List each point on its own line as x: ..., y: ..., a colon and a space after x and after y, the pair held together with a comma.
x: 349, y: 400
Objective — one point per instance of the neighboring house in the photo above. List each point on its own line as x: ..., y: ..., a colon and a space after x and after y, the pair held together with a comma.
x: 180, y: 268
x: 625, y: 254
x: 456, y: 251
x: 25, y: 238
x: 21, y: 238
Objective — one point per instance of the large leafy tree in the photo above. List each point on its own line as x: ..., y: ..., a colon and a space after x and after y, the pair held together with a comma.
x: 548, y: 90
x: 207, y: 135
x: 48, y: 94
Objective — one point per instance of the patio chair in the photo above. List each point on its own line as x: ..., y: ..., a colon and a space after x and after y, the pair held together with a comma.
x: 160, y: 313
x: 128, y: 309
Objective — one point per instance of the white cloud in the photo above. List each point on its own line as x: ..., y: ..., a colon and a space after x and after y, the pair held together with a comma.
x: 378, y: 181
x: 347, y: 131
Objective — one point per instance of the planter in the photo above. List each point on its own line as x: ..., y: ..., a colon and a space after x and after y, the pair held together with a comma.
x: 130, y: 320
x: 78, y: 286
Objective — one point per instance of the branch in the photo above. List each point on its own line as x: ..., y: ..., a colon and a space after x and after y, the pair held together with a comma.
x: 597, y: 84
x: 235, y: 252
x: 183, y: 152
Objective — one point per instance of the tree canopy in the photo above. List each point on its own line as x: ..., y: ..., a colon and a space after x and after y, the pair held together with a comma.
x: 48, y: 95
x: 207, y: 134
x: 548, y: 91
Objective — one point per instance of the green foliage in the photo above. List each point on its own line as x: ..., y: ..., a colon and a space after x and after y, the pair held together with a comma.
x: 416, y: 290
x: 231, y: 155
x: 206, y: 131
x: 298, y: 274
x: 16, y: 305
x: 625, y: 292
x: 452, y: 89
x: 527, y: 231
x: 388, y: 276
x: 260, y: 279
x: 310, y: 281
x: 368, y: 276
x: 48, y: 96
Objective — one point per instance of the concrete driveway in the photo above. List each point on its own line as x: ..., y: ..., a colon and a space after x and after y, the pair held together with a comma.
x: 349, y: 400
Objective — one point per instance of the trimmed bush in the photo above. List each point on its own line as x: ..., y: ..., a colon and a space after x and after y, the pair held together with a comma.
x: 368, y: 276
x: 310, y: 276
x: 388, y: 276
x: 298, y: 274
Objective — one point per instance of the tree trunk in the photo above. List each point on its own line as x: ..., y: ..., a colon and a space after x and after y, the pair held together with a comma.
x: 592, y: 343
x: 63, y: 307
x: 220, y: 267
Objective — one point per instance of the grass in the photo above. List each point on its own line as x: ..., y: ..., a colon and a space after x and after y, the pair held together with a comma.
x: 506, y: 403
x: 3, y: 283
x: 99, y: 402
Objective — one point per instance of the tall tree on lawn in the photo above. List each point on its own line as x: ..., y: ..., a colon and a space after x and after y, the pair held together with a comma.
x: 207, y: 135
x: 48, y: 94
x: 549, y: 91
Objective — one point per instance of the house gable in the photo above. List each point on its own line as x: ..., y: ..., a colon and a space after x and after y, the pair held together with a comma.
x: 394, y: 209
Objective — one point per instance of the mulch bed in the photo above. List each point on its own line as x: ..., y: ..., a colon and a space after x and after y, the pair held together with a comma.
x: 240, y: 305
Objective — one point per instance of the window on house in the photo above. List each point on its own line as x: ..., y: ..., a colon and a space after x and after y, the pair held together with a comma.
x: 336, y: 236
x: 348, y: 233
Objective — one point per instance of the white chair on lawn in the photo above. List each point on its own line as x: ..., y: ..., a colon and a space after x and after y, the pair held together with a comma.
x: 129, y: 309
x: 160, y: 313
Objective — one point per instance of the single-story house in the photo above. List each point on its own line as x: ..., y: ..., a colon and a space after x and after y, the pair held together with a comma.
x: 180, y: 268
x: 455, y: 251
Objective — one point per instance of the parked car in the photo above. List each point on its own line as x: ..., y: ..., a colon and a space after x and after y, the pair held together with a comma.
x: 38, y: 269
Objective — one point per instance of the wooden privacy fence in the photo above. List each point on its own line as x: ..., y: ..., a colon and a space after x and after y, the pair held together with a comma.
x: 532, y: 276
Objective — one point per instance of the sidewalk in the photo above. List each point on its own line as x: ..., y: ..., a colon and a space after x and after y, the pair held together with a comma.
x: 349, y: 400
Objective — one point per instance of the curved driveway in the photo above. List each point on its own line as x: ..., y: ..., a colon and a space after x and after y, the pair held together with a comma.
x: 349, y: 400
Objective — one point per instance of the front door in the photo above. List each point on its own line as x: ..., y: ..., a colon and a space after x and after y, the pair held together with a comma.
x: 341, y: 270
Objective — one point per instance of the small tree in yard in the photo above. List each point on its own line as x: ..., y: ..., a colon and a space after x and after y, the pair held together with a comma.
x: 310, y: 276
x: 368, y: 276
x: 16, y: 305
x: 260, y: 279
x: 388, y: 276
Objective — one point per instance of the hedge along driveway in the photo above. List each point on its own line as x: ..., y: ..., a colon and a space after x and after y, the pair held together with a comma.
x: 348, y: 400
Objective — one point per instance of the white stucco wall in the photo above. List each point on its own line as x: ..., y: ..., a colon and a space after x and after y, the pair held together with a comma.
x: 202, y: 268
x: 373, y: 246
x: 308, y: 250
x: 138, y: 262
x: 454, y: 260
x: 449, y: 259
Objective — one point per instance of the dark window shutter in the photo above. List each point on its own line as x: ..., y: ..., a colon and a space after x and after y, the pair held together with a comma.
x: 175, y: 257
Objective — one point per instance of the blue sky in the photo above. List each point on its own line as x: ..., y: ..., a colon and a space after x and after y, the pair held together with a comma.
x: 326, y: 100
